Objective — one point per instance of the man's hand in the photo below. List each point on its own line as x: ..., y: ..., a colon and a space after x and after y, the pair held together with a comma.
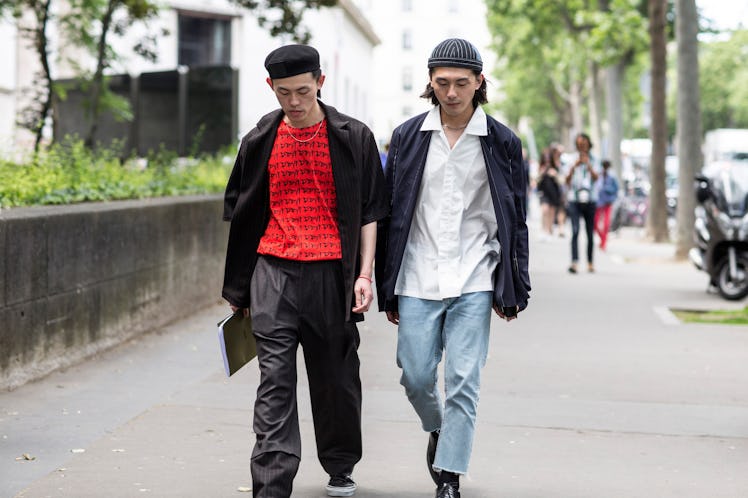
x: 245, y: 311
x: 364, y: 295
x: 394, y: 317
x: 501, y: 314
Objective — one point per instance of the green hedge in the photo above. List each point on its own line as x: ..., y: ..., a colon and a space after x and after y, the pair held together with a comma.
x: 68, y: 172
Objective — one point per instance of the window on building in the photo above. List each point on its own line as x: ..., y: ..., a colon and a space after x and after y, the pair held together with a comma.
x: 407, y: 79
x: 407, y: 5
x: 407, y: 40
x: 204, y: 41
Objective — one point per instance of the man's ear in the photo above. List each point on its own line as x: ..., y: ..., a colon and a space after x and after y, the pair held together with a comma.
x: 321, y: 81
x: 270, y: 82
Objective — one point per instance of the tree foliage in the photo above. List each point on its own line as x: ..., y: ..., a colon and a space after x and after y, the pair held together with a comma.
x: 544, y: 48
x: 724, y: 82
x: 283, y: 17
x: 617, y: 33
x: 89, y: 25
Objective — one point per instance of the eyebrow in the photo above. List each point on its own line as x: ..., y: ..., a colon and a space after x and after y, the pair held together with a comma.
x: 294, y: 89
x: 457, y: 80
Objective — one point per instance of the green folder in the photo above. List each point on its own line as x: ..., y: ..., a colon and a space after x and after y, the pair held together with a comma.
x: 237, y: 341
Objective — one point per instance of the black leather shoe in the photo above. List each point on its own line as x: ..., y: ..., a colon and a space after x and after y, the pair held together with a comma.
x: 447, y: 490
x: 431, y: 454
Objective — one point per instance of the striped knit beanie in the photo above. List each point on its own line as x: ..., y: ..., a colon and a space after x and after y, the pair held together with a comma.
x: 456, y: 52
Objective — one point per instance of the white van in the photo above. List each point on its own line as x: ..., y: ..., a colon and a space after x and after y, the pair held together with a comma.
x: 725, y: 145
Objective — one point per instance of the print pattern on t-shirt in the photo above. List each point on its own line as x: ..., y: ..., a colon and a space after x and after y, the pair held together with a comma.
x: 303, y: 222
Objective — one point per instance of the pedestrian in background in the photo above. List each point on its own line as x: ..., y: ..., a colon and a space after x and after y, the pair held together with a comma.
x: 303, y: 199
x: 454, y: 247
x: 549, y: 192
x: 607, y: 193
x: 556, y: 152
x: 580, y: 180
x: 383, y: 154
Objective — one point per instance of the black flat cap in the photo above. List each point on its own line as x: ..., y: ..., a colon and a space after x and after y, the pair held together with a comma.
x: 291, y: 60
x: 456, y: 52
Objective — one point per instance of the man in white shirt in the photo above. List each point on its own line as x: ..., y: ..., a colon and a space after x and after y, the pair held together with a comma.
x: 453, y: 248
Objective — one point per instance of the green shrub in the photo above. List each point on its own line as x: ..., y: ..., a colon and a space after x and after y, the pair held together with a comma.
x: 68, y: 172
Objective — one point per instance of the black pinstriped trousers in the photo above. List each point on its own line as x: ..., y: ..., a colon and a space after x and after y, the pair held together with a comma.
x: 303, y: 303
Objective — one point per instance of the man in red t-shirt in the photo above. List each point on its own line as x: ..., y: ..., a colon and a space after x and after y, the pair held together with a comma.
x: 304, y: 199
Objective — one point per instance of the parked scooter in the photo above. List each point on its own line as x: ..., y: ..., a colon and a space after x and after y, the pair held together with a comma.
x: 721, y: 229
x: 630, y: 209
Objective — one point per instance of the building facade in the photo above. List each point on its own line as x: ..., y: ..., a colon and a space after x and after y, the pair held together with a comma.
x: 201, y: 33
x: 410, y: 29
x: 9, y: 85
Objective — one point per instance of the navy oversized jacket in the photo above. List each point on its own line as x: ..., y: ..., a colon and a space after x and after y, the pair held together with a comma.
x: 502, y: 151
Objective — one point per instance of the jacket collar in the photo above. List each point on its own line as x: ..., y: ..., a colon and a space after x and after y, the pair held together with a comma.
x: 334, y: 118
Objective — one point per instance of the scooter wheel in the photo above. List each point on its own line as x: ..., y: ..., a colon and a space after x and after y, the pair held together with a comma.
x: 733, y: 289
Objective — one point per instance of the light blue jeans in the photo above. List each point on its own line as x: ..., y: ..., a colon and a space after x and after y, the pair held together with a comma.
x: 459, y: 327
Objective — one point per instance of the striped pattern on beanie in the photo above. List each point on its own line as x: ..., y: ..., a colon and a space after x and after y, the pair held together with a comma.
x: 456, y: 52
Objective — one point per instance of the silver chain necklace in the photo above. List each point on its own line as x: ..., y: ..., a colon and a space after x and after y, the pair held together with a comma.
x: 454, y: 127
x: 288, y: 129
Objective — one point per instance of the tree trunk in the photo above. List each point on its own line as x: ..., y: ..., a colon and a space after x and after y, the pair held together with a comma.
x: 566, y: 129
x: 614, y: 77
x: 688, y: 121
x: 40, y: 42
x: 575, y: 102
x: 596, y: 110
x: 657, y: 215
x: 97, y: 84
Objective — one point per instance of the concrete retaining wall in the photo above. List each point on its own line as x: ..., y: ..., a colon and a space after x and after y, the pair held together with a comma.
x: 75, y: 280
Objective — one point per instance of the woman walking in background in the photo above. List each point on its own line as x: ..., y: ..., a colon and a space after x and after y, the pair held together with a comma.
x: 607, y: 192
x: 560, y: 217
x: 549, y: 191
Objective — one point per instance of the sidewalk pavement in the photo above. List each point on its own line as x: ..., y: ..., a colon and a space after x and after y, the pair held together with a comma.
x: 595, y: 391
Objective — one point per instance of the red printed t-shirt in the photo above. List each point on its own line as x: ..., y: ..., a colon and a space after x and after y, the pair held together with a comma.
x: 303, y: 222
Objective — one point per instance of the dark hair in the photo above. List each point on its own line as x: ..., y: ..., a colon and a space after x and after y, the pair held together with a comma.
x: 480, y: 97
x: 555, y: 148
x: 586, y: 137
x: 316, y: 74
x: 546, y: 157
x: 606, y: 163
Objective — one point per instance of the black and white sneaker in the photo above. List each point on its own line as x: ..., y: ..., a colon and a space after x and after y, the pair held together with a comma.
x: 447, y: 490
x: 341, y: 485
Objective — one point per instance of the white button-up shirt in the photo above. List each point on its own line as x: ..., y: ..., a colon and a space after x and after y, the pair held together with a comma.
x: 452, y: 246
